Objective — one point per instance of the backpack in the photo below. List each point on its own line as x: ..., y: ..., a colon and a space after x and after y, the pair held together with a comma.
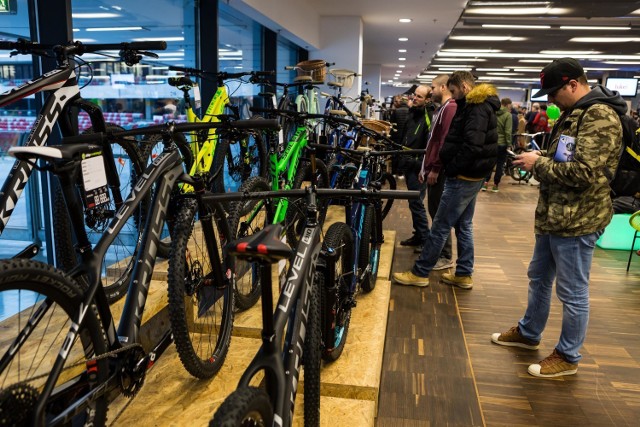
x: 625, y: 180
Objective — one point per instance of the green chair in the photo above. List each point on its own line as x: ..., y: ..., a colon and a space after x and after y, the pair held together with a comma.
x: 634, y: 221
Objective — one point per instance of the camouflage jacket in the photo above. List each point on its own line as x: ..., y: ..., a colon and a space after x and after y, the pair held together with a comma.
x: 574, y: 196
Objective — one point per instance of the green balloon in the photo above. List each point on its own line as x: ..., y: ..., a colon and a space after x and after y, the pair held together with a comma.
x: 553, y: 112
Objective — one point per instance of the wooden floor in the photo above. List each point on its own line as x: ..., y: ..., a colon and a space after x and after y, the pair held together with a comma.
x: 441, y: 369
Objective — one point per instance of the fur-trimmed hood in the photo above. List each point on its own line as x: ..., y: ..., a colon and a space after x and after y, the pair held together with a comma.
x: 484, y: 92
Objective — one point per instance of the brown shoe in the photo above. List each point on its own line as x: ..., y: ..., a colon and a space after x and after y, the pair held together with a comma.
x: 552, y: 366
x: 464, y: 282
x: 513, y: 338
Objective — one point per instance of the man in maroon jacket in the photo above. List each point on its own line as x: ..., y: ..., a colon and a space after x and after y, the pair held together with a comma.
x: 431, y: 164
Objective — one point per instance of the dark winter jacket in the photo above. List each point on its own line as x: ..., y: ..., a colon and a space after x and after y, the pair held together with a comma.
x: 471, y: 147
x: 399, y: 118
x: 416, y: 134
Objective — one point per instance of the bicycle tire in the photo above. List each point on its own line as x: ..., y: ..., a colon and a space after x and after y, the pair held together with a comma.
x: 518, y: 174
x: 232, y: 164
x: 120, y: 258
x: 339, y: 239
x: 311, y: 358
x: 387, y: 182
x: 201, y: 347
x: 368, y: 282
x: 301, y: 104
x: 247, y: 285
x: 246, y: 406
x: 295, y: 217
x: 32, y: 284
x: 151, y: 147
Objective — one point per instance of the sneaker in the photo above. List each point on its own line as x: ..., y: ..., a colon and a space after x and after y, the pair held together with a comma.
x: 409, y: 279
x: 494, y: 189
x: 443, y: 264
x: 513, y: 338
x: 485, y: 186
x: 552, y: 366
x: 464, y: 282
x: 412, y: 241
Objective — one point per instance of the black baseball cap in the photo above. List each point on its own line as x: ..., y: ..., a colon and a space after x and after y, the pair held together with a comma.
x: 558, y: 74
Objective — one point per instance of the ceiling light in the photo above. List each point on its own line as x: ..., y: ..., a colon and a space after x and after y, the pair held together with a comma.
x: 115, y: 29
x: 395, y: 78
x: 488, y: 38
x: 586, y: 27
x: 527, y: 70
x: 460, y: 59
x: 94, y: 15
x: 402, y: 59
x: 469, y: 51
x: 442, y: 66
x: 517, y: 11
x: 389, y: 81
x: 403, y: 39
x: 599, y: 69
x: 509, y: 3
x: 402, y: 50
x: 524, y: 27
x: 622, y: 62
x: 494, y: 78
x: 504, y: 74
x: 116, y: 7
x: 604, y: 39
x: 75, y: 30
x: 405, y: 20
x: 510, y: 88
x: 569, y: 52
x: 454, y: 69
x: 158, y: 39
x: 491, y: 69
x: 398, y: 71
x: 401, y: 66
x: 535, y: 61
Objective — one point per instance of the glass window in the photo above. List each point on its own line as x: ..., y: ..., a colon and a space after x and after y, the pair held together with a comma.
x: 287, y: 55
x: 239, y: 49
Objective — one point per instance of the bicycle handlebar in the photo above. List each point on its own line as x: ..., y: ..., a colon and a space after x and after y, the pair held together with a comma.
x: 171, y: 127
x: 357, y: 152
x: 221, y: 74
x: 364, y: 193
x: 301, y: 115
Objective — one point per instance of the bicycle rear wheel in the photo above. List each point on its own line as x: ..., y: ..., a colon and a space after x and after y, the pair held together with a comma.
x: 335, y: 304
x: 246, y: 406
x: 236, y: 160
x: 200, y: 309
x: 118, y: 262
x: 311, y: 358
x: 247, y: 286
x: 387, y: 182
x: 296, y: 210
x: 50, y: 299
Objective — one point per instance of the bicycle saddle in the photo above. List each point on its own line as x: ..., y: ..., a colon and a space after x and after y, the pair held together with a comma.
x: 265, y: 245
x: 180, y: 81
x: 335, y: 84
x: 303, y: 79
x: 60, y: 152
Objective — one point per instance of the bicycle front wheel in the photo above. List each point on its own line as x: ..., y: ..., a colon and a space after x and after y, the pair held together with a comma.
x: 247, y: 406
x: 49, y: 299
x: 237, y: 160
x: 117, y: 264
x: 335, y: 304
x: 200, y: 309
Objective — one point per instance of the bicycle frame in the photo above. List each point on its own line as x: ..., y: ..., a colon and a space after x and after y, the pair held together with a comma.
x: 66, y: 93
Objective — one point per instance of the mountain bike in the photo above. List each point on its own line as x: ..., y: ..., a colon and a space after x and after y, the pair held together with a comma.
x: 66, y: 361
x: 291, y: 334
x: 516, y: 173
x: 122, y: 161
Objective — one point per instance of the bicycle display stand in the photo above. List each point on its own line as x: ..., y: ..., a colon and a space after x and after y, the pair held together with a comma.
x: 349, y: 386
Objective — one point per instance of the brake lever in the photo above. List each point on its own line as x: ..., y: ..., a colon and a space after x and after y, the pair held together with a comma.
x: 147, y: 53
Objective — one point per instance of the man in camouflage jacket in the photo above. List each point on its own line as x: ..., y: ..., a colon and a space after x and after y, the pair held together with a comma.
x: 573, y: 209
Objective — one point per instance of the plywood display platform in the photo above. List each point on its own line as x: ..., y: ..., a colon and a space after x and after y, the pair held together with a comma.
x: 349, y: 386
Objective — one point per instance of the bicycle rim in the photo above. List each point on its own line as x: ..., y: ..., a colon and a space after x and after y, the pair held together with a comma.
x: 200, y: 310
x: 32, y: 287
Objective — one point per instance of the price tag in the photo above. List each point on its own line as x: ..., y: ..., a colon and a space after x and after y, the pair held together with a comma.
x: 196, y: 96
x: 94, y: 179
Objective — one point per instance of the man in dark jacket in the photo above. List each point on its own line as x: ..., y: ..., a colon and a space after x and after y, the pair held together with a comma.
x: 468, y: 154
x: 399, y: 117
x: 416, y: 133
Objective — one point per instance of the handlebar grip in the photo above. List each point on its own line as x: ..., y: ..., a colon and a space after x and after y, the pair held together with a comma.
x: 289, y: 67
x: 266, y: 124
x: 7, y: 45
x: 86, y: 138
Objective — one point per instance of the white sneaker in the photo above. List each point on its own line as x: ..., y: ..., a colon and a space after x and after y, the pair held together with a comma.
x: 443, y: 264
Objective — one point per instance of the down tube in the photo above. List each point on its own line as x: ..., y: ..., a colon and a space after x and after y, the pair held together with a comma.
x: 296, y: 295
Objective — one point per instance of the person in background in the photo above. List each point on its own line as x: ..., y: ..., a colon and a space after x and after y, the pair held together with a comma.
x: 415, y: 137
x: 399, y: 117
x: 432, y: 170
x: 541, y: 121
x: 530, y: 116
x: 468, y: 154
x: 505, y: 122
x: 573, y: 209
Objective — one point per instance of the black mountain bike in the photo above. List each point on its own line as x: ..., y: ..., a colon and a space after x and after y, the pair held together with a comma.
x: 65, y: 361
x: 122, y: 160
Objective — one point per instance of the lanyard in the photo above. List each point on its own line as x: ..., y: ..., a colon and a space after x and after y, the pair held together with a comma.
x: 427, y: 120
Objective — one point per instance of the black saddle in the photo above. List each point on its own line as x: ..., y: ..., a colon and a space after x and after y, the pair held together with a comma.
x: 263, y: 245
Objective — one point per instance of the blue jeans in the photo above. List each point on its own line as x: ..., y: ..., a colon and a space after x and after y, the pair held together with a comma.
x: 416, y: 206
x: 568, y: 261
x: 456, y: 209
